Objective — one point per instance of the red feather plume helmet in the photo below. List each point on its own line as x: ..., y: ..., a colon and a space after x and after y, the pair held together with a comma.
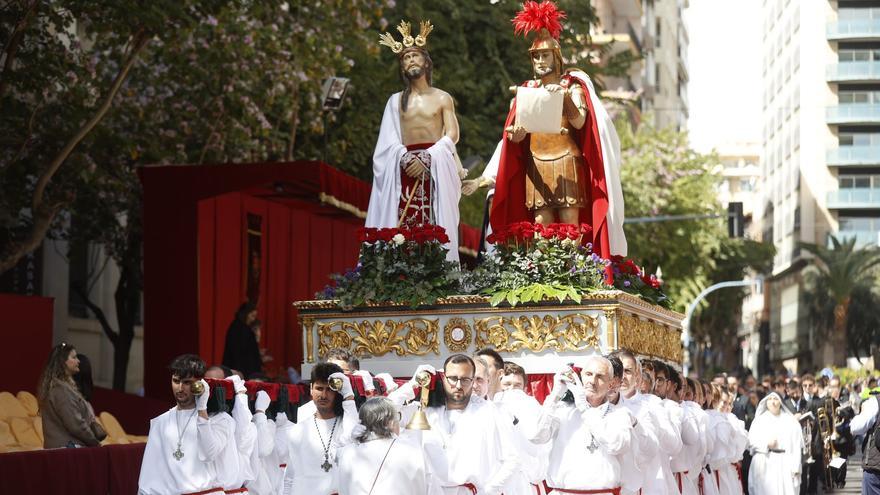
x: 543, y: 18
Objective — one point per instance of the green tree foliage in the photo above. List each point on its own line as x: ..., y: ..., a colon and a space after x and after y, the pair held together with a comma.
x: 662, y: 176
x: 91, y: 90
x: 841, y: 280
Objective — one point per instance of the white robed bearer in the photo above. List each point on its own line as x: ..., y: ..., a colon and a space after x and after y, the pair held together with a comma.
x: 312, y: 443
x: 188, y: 451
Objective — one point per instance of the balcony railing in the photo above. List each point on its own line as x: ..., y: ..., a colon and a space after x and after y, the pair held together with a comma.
x: 853, y: 113
x: 854, y: 29
x: 854, y: 72
x: 856, y: 198
x: 854, y: 156
x: 863, y: 238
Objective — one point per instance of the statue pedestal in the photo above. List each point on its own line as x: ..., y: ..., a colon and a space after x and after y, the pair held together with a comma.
x: 541, y: 338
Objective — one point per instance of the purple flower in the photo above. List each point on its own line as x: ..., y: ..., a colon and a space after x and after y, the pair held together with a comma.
x: 626, y: 283
x: 211, y: 20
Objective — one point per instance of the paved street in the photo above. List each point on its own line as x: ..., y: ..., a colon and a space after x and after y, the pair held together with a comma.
x: 853, y: 476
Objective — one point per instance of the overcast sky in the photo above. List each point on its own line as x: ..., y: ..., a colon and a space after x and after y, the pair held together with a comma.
x: 724, y: 91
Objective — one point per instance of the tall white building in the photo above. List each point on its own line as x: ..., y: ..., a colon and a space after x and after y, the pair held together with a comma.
x: 654, y: 30
x: 820, y: 148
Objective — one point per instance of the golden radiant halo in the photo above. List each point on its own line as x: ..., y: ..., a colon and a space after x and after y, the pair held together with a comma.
x: 407, y: 41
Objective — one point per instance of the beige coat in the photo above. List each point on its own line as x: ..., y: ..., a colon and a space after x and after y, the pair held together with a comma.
x: 67, y: 417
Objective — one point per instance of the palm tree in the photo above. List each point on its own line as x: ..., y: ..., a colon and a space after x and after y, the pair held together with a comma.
x: 837, y: 273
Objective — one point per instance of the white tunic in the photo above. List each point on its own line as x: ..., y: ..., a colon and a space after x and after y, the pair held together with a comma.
x: 210, y: 458
x: 263, y: 459
x: 385, y: 194
x: 245, y: 439
x: 729, y: 482
x: 669, y: 415
x: 652, y: 421
x: 525, y: 410
x: 281, y: 452
x: 306, y: 448
x: 775, y: 473
x: 403, y: 470
x: 572, y: 432
x: 479, y: 447
x: 692, y: 450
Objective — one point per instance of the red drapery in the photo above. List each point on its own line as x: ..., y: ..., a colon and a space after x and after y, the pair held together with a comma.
x: 195, y: 234
x: 27, y: 322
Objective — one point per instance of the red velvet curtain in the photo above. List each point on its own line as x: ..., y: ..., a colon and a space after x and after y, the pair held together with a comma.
x: 299, y: 249
x: 26, y: 322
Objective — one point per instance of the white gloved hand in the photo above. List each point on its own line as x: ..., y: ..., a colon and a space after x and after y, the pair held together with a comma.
x: 422, y: 367
x: 388, y: 380
x: 262, y: 402
x: 560, y: 386
x: 281, y: 419
x: 580, y: 395
x: 202, y: 400
x: 367, y: 378
x: 237, y: 384
x: 346, y: 385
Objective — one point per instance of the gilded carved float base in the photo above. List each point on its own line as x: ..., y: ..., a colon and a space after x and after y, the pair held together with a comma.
x: 541, y: 337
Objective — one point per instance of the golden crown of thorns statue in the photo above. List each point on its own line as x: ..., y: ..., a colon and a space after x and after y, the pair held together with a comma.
x: 408, y: 40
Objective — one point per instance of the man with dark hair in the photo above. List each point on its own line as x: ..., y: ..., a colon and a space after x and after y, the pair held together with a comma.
x: 187, y: 450
x: 476, y: 437
x: 793, y: 400
x: 661, y: 379
x: 691, y: 437
x: 815, y: 473
x: 495, y: 369
x: 514, y: 378
x: 313, y: 441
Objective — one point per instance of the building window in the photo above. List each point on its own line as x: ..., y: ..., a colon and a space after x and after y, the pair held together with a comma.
x: 858, y: 139
x: 658, y: 34
x: 858, y: 55
x: 657, y: 84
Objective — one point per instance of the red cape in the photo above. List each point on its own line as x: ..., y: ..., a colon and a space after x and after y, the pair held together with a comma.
x: 509, y: 202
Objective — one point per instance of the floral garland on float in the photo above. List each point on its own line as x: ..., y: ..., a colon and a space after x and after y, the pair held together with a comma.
x: 400, y: 265
x: 531, y: 263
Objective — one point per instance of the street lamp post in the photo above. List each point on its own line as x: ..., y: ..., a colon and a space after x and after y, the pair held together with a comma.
x: 686, y: 322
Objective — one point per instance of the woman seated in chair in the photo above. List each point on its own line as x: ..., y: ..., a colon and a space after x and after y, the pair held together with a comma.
x: 68, y: 419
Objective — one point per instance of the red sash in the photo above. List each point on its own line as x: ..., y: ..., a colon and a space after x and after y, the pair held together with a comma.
x: 701, y: 484
x: 612, y: 491
x: 206, y: 492
x: 471, y: 487
x: 237, y: 490
x: 739, y: 471
x: 678, y: 479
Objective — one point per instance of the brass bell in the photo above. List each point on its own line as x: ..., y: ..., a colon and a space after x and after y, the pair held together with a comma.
x: 419, y: 420
x: 197, y: 388
x: 336, y: 384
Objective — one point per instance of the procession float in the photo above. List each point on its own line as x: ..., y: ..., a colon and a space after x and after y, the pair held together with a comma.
x: 553, y: 284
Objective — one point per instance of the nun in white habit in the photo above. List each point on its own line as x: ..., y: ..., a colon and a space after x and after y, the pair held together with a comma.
x: 775, y: 440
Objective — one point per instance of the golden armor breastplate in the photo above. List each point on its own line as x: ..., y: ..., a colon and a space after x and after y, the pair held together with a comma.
x: 555, y: 175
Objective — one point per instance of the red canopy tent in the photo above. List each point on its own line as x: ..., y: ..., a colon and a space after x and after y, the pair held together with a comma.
x: 217, y: 235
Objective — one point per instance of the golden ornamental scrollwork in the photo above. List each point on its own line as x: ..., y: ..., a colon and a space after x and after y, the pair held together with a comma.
x: 457, y: 334
x: 415, y: 337
x: 538, y: 333
x: 648, y: 337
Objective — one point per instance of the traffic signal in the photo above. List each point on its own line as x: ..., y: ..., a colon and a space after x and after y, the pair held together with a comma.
x: 736, y: 221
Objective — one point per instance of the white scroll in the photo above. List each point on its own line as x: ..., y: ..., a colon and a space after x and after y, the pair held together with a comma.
x: 539, y: 110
